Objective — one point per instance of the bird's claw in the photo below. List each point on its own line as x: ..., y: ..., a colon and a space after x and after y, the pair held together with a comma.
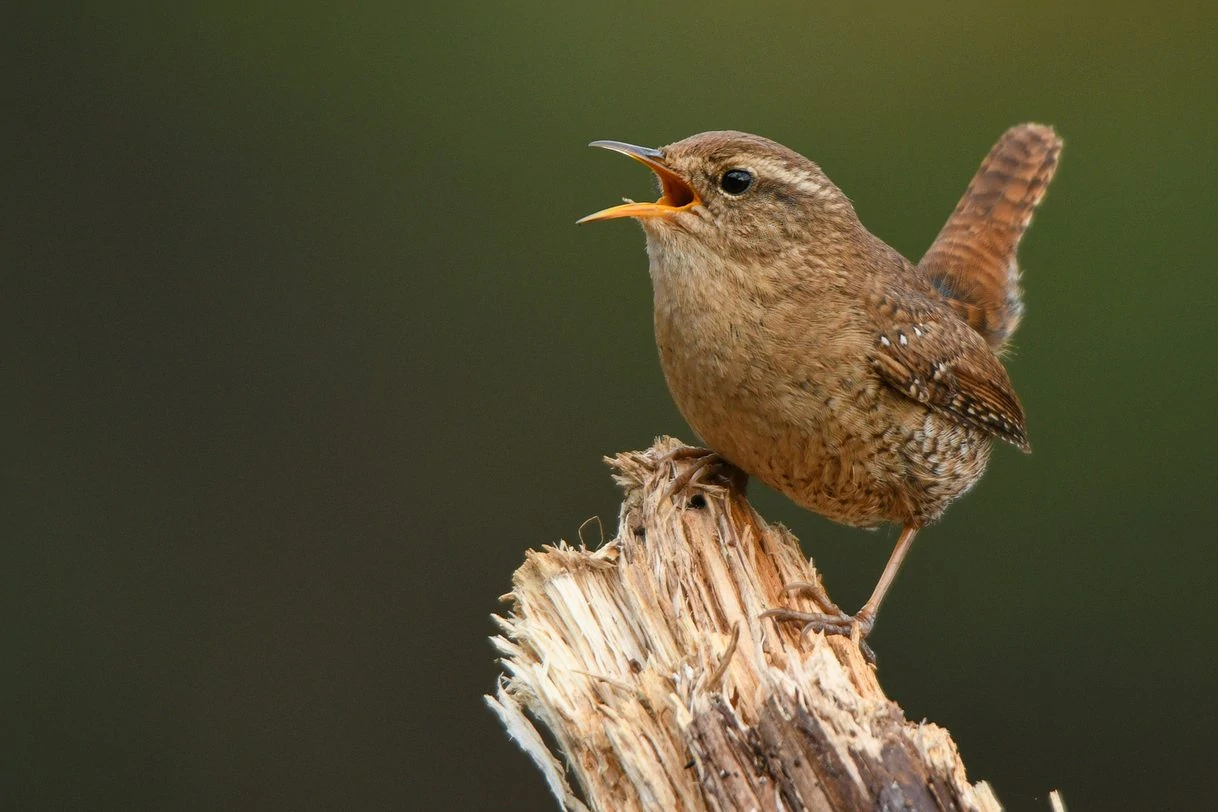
x: 701, y: 462
x: 856, y: 627
x: 819, y: 595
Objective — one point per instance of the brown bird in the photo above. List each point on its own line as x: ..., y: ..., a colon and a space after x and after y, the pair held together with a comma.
x: 806, y: 352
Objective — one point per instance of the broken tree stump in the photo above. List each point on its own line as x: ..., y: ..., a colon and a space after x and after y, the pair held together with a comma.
x: 661, y: 686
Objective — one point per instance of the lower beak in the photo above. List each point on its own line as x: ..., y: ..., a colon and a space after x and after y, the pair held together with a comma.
x: 676, y: 194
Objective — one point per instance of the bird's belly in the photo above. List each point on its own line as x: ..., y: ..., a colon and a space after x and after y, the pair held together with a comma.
x: 849, y: 449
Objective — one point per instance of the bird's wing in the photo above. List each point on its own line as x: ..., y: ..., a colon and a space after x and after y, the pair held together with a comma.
x: 972, y: 262
x: 936, y: 359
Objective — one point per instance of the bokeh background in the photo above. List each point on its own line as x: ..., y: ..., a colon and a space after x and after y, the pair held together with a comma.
x: 302, y: 349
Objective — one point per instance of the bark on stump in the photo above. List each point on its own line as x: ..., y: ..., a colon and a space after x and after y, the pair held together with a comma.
x: 661, y: 686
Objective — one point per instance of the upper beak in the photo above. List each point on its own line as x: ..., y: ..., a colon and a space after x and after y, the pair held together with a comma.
x: 676, y: 193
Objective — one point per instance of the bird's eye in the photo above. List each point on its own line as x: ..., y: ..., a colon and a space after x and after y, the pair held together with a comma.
x: 736, y: 181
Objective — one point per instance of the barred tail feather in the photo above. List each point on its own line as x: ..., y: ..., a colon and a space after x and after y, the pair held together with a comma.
x: 973, y: 260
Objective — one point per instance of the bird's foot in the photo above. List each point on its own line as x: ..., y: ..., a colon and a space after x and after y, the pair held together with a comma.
x: 701, y: 463
x: 835, y: 621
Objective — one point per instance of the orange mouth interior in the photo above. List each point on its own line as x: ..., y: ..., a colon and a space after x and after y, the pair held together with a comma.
x: 675, y: 192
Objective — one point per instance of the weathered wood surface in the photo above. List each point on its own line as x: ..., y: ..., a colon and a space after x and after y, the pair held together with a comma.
x: 661, y: 686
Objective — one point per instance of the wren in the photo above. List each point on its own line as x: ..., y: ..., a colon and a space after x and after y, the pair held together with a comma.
x: 807, y: 353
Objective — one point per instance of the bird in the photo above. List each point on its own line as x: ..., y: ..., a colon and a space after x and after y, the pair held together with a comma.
x: 806, y: 352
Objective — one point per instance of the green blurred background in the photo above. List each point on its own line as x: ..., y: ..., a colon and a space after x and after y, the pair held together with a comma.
x: 303, y: 350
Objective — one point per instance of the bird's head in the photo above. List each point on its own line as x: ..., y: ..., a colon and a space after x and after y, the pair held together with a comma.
x: 731, y: 194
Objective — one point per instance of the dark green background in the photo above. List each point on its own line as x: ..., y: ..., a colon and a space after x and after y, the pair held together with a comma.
x: 303, y: 349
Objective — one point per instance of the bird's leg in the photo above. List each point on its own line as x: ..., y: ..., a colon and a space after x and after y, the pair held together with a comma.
x: 836, y: 621
x: 703, y: 460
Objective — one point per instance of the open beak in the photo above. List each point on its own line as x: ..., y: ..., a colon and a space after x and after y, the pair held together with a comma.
x: 675, y: 192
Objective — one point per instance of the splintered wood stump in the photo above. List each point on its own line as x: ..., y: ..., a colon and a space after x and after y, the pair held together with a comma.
x: 661, y: 686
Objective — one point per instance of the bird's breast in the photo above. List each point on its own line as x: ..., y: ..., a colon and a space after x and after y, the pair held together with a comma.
x: 791, y: 399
